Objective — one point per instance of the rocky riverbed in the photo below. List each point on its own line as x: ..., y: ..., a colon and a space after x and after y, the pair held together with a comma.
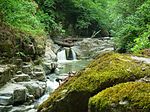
x: 21, y: 87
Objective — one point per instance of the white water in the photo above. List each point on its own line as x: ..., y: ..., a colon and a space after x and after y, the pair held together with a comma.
x: 61, y: 56
x: 73, y: 55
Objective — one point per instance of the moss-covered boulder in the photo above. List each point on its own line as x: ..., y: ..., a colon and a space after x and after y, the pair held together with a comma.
x: 105, y: 71
x: 125, y: 97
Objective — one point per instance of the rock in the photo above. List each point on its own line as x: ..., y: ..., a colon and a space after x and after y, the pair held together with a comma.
x: 91, y: 47
x: 40, y: 76
x: 35, y: 88
x: 5, y: 108
x: 22, y: 108
x: 6, y: 73
x: 20, y: 95
x: 32, y: 110
x: 39, y: 73
x: 145, y: 79
x: 106, y: 70
x: 12, y: 94
x: 21, y: 78
x: 49, y: 53
x: 49, y: 67
x: 6, y: 99
x: 27, y: 68
x: 141, y: 59
x: 127, y: 97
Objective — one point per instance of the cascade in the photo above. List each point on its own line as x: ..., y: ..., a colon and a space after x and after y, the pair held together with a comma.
x: 66, y: 54
x: 73, y: 55
x: 61, y: 56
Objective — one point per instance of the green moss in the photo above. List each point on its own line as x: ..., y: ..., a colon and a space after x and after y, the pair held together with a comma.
x: 125, y: 97
x: 143, y: 53
x: 105, y: 71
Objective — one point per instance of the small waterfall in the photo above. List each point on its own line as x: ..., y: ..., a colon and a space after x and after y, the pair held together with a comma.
x: 74, y: 57
x: 61, y: 56
x: 66, y: 54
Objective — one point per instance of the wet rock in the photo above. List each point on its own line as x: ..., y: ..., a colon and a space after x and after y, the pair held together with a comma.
x: 21, y: 78
x: 6, y: 99
x: 5, y: 108
x: 39, y: 73
x: 35, y: 88
x: 20, y: 95
x: 11, y: 94
x: 40, y: 76
x: 6, y: 73
x: 27, y: 68
x: 22, y: 108
x: 49, y: 67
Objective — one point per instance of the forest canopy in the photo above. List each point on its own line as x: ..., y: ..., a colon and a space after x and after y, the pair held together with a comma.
x: 128, y: 22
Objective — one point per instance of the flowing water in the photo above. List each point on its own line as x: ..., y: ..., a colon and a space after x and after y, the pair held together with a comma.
x: 61, y: 72
x: 61, y: 56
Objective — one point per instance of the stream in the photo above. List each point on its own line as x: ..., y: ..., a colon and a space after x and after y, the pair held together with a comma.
x: 64, y: 67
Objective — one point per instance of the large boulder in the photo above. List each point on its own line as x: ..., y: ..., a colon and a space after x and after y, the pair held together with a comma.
x: 125, y: 97
x: 35, y: 88
x: 49, y: 53
x: 91, y: 47
x: 11, y: 94
x: 105, y: 71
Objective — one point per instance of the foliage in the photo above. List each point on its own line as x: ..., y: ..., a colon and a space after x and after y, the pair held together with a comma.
x: 128, y: 21
x: 78, y: 17
x: 21, y: 14
x: 131, y: 26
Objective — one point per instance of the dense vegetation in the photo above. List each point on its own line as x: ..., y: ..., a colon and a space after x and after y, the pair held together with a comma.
x: 127, y: 21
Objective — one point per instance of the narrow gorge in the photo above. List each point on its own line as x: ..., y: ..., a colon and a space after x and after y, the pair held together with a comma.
x: 74, y: 56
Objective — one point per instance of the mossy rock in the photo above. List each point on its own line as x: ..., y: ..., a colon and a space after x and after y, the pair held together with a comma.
x: 105, y: 71
x: 125, y: 97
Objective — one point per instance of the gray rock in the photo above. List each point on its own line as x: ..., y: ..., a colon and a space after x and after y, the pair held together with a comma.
x: 39, y: 73
x: 5, y: 108
x: 49, y: 53
x: 6, y: 100
x: 27, y: 68
x: 91, y: 47
x: 49, y: 67
x: 40, y: 76
x: 12, y: 93
x: 21, y: 78
x: 22, y: 108
x: 6, y: 73
x: 20, y: 95
x: 35, y: 88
